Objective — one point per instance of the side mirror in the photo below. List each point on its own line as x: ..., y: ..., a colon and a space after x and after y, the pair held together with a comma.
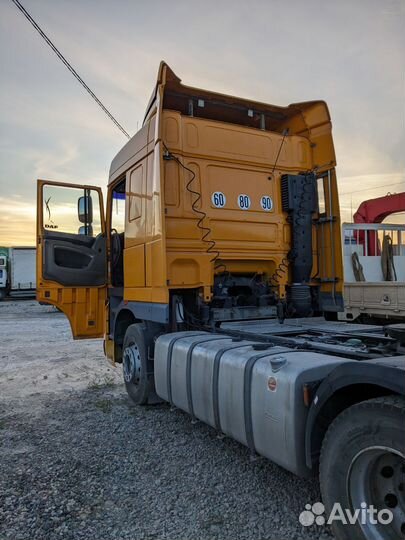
x: 85, y: 209
x: 86, y: 230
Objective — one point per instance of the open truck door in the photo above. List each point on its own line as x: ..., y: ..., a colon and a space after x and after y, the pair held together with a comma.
x: 72, y: 254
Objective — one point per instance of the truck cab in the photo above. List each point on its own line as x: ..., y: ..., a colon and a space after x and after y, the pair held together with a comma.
x: 219, y: 209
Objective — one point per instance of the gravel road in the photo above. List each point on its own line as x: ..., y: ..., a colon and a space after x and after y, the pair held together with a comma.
x: 77, y: 460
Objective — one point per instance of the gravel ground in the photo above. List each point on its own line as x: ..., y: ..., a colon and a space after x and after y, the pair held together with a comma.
x: 77, y: 460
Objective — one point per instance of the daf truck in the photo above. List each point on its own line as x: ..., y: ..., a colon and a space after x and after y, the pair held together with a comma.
x: 215, y: 277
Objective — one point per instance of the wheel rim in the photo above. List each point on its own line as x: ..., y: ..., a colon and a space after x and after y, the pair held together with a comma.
x: 132, y: 364
x: 377, y: 478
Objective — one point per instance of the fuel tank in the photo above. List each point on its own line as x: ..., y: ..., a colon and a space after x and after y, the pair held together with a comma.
x: 250, y: 391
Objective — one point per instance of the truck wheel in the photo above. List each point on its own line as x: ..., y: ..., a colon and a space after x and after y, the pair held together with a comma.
x: 137, y: 367
x: 363, y: 461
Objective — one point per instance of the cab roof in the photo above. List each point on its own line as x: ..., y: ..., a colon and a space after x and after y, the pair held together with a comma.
x: 296, y: 118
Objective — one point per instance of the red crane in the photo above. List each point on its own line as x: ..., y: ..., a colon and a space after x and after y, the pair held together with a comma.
x: 376, y: 210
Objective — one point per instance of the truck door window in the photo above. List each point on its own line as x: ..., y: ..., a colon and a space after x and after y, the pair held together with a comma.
x: 117, y: 234
x: 62, y: 207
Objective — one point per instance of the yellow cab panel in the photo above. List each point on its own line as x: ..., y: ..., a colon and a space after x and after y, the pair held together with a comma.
x: 72, y: 254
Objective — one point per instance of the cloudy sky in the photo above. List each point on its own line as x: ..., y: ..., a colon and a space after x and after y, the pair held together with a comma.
x: 350, y: 53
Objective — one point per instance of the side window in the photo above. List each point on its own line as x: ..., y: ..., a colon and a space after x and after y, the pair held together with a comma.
x: 118, y: 209
x: 321, y: 196
x: 135, y: 193
x: 71, y: 210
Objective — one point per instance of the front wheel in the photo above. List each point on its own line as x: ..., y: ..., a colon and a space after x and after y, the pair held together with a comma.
x: 137, y: 366
x: 362, y: 468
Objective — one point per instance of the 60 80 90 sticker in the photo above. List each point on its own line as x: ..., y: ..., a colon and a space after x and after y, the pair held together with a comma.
x: 266, y: 202
x: 244, y: 201
x: 218, y: 199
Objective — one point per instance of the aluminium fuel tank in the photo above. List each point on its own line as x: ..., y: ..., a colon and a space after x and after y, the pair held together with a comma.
x: 250, y: 391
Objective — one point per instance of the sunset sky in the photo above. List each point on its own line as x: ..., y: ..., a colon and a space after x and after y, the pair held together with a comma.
x: 350, y: 53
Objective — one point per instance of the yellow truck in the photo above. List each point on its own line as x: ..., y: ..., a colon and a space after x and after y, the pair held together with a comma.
x: 215, y: 277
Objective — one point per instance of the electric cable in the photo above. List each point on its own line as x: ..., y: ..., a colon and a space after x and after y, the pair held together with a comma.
x: 197, y: 323
x: 370, y: 189
x: 69, y: 67
x: 285, y: 133
x: 282, y: 267
x: 206, y: 231
x: 279, y: 272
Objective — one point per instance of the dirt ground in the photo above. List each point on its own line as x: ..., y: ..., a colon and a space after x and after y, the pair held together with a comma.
x: 39, y: 357
x: 78, y: 460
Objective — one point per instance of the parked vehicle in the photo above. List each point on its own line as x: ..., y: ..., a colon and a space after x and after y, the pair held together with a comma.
x: 3, y: 272
x: 22, y: 272
x: 18, y: 272
x: 374, y: 262
x: 216, y: 278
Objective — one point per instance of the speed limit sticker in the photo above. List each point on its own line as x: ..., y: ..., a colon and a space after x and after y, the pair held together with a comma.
x: 218, y: 199
x: 266, y: 203
x: 244, y: 201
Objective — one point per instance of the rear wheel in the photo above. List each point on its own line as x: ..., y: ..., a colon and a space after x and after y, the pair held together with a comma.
x: 363, y: 465
x: 137, y: 366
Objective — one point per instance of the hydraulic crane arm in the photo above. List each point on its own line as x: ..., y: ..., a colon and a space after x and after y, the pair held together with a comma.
x: 376, y: 210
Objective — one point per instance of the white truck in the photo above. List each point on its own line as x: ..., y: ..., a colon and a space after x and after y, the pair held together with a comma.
x: 3, y: 274
x: 18, y: 272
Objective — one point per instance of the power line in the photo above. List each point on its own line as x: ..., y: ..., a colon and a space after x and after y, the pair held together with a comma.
x: 69, y: 66
x: 371, y: 188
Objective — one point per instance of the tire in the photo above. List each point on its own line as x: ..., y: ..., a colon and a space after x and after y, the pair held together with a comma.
x: 363, y: 460
x: 137, y: 366
x: 331, y: 316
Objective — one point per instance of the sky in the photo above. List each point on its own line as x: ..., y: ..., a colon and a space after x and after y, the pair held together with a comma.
x: 349, y: 53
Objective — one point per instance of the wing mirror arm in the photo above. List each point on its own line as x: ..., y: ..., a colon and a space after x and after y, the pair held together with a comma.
x: 85, y: 213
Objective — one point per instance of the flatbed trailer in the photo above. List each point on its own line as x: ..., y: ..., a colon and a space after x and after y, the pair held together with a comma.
x: 216, y: 278
x: 369, y: 294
